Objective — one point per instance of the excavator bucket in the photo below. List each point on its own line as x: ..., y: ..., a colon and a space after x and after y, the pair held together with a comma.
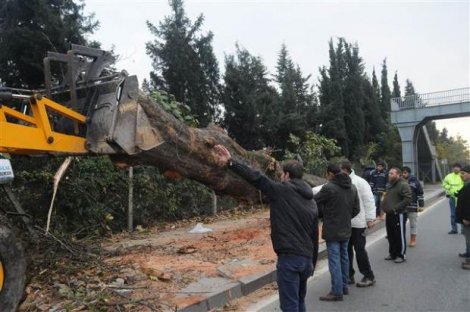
x: 116, y: 123
x: 120, y: 123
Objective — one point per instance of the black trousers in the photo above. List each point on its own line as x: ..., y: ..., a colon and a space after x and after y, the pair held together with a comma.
x: 357, y: 244
x: 396, y: 233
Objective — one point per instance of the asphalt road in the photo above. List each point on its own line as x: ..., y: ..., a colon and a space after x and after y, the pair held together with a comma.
x: 430, y: 280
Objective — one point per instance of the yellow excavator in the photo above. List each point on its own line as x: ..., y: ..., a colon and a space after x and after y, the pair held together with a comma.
x: 84, y: 109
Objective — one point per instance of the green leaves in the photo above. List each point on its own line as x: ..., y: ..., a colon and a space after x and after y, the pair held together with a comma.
x: 31, y: 28
x: 184, y: 63
x: 314, y: 151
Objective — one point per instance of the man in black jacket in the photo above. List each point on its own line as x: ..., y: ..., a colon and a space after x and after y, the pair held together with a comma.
x: 462, y: 213
x: 338, y: 203
x: 294, y: 226
x: 378, y: 182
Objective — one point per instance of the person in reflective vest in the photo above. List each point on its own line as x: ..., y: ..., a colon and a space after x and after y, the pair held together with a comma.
x: 452, y: 184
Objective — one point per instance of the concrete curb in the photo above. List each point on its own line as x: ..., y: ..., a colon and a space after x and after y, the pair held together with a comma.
x: 248, y: 284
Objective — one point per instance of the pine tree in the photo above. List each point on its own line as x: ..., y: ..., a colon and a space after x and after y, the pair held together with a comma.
x: 28, y: 29
x: 252, y: 114
x: 184, y: 63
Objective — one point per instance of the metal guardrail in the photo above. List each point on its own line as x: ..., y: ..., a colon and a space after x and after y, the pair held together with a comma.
x: 430, y: 99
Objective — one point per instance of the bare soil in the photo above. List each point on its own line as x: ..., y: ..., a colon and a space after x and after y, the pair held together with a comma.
x: 146, y: 271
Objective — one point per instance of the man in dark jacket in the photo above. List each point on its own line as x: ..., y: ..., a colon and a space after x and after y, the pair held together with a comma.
x: 338, y: 203
x: 378, y: 182
x: 294, y: 226
x: 462, y: 213
x: 396, y: 198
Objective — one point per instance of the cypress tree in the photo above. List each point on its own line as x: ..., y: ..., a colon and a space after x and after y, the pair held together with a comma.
x: 396, y: 87
x: 385, y: 91
x: 296, y: 101
x: 354, y: 100
x: 332, y: 109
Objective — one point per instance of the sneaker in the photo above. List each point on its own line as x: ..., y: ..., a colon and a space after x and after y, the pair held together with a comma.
x: 464, y: 255
x: 351, y: 280
x: 390, y: 258
x: 452, y: 232
x: 345, y: 291
x: 399, y: 260
x: 366, y: 282
x: 331, y: 297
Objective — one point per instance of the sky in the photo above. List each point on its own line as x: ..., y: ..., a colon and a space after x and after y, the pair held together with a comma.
x: 427, y: 42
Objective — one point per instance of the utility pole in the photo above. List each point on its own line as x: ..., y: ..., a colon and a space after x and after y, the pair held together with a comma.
x: 130, y: 210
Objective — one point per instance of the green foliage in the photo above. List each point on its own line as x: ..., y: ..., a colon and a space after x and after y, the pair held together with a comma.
x: 92, y: 197
x: 181, y: 111
x: 349, y: 103
x: 184, y: 63
x: 315, y: 151
x: 455, y: 150
x: 30, y: 28
x: 252, y: 113
x: 297, y: 103
x: 385, y: 91
x: 396, y: 87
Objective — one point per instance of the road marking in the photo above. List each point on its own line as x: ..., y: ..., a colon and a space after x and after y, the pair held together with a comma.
x: 322, y: 265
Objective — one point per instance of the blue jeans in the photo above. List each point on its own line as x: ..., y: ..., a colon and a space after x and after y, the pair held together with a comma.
x: 338, y: 264
x: 377, y: 198
x: 292, y: 275
x: 453, y: 224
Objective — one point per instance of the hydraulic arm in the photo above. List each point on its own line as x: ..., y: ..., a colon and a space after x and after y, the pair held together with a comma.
x: 87, y: 110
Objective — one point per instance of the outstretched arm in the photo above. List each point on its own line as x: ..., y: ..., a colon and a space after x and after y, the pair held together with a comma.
x: 255, y: 177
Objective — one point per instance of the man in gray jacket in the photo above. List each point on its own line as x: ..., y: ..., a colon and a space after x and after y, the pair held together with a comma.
x: 397, y: 197
x: 365, y: 218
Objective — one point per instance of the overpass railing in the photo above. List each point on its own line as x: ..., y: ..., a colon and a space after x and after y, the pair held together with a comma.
x: 430, y: 99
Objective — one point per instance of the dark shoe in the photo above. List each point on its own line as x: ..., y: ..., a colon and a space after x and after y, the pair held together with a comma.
x: 464, y: 255
x: 345, y: 291
x: 366, y: 282
x: 390, y: 258
x: 351, y: 280
x: 452, y: 232
x: 399, y: 260
x: 466, y: 265
x: 331, y: 297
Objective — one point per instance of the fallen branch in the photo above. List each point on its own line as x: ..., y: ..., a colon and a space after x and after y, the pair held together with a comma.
x: 57, y: 178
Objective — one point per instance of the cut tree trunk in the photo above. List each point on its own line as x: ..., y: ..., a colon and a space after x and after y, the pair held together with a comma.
x: 188, y: 152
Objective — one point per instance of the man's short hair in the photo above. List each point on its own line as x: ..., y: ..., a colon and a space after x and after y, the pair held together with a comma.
x: 398, y: 170
x: 294, y: 168
x: 407, y: 169
x: 457, y: 165
x: 346, y: 165
x: 381, y: 163
x: 333, y: 168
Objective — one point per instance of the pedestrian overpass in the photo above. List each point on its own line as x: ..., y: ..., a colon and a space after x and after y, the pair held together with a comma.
x: 410, y: 113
